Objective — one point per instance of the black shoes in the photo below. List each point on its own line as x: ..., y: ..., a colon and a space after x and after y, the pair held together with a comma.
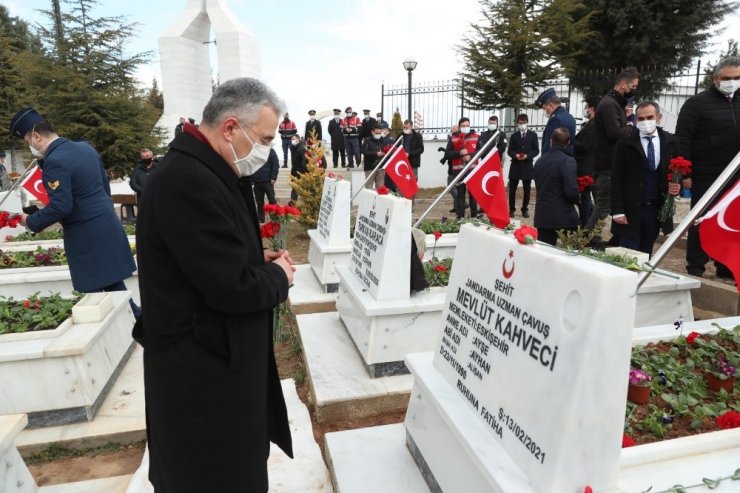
x: 285, y: 166
x: 525, y: 214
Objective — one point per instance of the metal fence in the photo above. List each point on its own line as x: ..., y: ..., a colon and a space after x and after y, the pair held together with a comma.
x: 440, y: 104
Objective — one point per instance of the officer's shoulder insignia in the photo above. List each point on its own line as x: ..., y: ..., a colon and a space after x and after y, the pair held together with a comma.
x: 53, y: 184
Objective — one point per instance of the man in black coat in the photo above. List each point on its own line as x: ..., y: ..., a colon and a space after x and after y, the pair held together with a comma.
x: 584, y: 154
x: 709, y: 130
x: 313, y: 125
x: 413, y: 142
x: 138, y: 177
x: 368, y: 122
x: 610, y: 125
x: 298, y: 162
x: 557, y: 189
x: 208, y: 289
x: 523, y: 148
x: 639, y: 183
x: 263, y: 183
x: 337, y: 139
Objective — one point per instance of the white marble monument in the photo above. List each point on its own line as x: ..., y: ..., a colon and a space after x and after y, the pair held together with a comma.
x: 330, y: 242
x: 184, y: 55
x: 513, y: 398
x: 383, y: 318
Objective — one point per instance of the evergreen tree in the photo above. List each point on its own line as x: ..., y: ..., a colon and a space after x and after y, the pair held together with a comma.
x: 310, y: 185
x: 732, y: 50
x: 517, y: 47
x: 659, y: 38
x: 396, y: 124
x: 155, y: 98
x: 87, y: 86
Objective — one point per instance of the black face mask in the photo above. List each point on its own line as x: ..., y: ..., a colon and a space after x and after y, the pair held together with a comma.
x: 147, y: 161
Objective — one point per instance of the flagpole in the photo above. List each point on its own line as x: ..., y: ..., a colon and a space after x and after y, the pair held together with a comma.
x: 370, y: 176
x: 20, y: 179
x: 690, y: 218
x: 459, y: 176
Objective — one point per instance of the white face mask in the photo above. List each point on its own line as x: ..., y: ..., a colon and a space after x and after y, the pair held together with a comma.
x: 465, y: 130
x: 492, y: 126
x: 313, y: 118
x: 253, y: 161
x: 522, y: 127
x: 647, y: 126
x: 407, y: 131
x: 729, y: 87
x: 295, y: 142
x: 36, y: 153
x: 585, y: 114
x: 349, y: 115
x: 377, y: 136
x: 336, y: 118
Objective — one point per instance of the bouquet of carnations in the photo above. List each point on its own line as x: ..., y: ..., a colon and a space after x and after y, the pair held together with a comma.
x: 679, y: 169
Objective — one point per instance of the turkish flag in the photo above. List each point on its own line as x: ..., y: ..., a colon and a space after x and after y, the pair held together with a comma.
x: 486, y: 183
x: 34, y: 184
x: 399, y: 170
x: 719, y: 231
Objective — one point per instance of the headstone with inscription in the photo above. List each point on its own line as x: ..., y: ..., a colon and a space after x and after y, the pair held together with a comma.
x: 527, y: 387
x: 330, y: 242
x: 374, y: 302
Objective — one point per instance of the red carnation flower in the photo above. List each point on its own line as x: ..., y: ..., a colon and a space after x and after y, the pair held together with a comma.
x: 440, y: 268
x: 382, y: 190
x: 268, y: 230
x: 588, y: 489
x: 27, y: 304
x: 692, y: 337
x: 293, y: 211
x: 681, y: 165
x: 281, y: 210
x: 627, y: 441
x: 270, y: 208
x: 526, y: 235
x: 670, y: 177
x: 728, y: 420
x: 9, y: 238
x: 331, y: 175
x: 584, y: 182
x: 437, y: 234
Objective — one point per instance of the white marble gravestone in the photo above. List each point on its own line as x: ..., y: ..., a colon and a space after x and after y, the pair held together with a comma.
x: 330, y: 242
x: 527, y: 387
x: 14, y: 474
x: 374, y: 302
x: 184, y: 53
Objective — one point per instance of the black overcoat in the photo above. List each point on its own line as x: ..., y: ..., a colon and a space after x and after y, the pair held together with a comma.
x: 213, y: 395
x: 628, y: 173
x: 557, y: 190
x: 522, y: 170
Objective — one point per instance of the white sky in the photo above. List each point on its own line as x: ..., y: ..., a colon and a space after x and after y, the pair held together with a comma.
x: 326, y: 53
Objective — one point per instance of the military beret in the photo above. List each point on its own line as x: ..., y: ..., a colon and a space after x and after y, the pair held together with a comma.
x: 545, y: 96
x: 23, y: 122
x: 311, y: 112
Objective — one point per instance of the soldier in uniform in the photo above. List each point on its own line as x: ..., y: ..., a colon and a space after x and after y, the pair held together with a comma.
x: 312, y: 125
x: 96, y: 246
x: 337, y: 139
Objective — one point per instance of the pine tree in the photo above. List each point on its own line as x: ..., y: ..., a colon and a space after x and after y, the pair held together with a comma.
x: 310, y: 185
x: 518, y: 47
x: 732, y: 50
x: 87, y: 86
x: 659, y: 38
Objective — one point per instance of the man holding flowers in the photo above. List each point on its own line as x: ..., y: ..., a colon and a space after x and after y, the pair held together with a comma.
x: 640, y: 184
x: 213, y: 396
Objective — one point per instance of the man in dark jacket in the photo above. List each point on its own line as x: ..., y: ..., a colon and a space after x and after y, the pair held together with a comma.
x: 610, y: 125
x: 138, y: 178
x: 483, y: 138
x: 337, y: 139
x: 558, y: 117
x: 298, y: 161
x: 413, y: 142
x: 523, y: 148
x: 709, y: 130
x: 557, y: 189
x: 313, y: 125
x: 367, y: 126
x: 373, y: 150
x: 213, y: 395
x: 95, y: 244
x: 639, y: 183
x: 583, y: 152
x: 263, y: 183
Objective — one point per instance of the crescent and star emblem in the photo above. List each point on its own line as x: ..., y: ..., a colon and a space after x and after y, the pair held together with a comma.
x: 405, y: 165
x: 721, y: 208
x: 484, y: 183
x: 508, y: 273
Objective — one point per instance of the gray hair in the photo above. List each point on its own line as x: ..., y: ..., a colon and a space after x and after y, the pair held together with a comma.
x: 242, y: 98
x: 554, y: 100
x: 730, y: 61
x: 648, y: 103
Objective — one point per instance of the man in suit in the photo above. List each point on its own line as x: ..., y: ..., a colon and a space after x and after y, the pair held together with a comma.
x: 368, y: 122
x: 337, y: 139
x: 558, y: 117
x: 639, y: 183
x: 213, y: 395
x: 97, y: 249
x: 583, y: 152
x: 523, y: 148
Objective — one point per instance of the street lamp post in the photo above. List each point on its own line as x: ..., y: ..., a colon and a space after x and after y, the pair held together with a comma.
x: 409, y: 64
